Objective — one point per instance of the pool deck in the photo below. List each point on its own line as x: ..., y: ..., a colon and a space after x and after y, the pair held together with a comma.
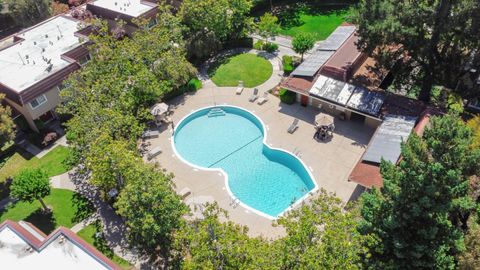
x: 330, y: 162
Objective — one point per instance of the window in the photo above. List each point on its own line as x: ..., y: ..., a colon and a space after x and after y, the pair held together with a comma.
x: 84, y: 60
x: 38, y: 101
x: 152, y: 23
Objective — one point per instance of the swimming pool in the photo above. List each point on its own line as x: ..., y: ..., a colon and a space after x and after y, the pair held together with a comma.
x: 230, y: 139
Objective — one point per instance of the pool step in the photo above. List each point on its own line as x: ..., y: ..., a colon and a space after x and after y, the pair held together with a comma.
x: 216, y: 112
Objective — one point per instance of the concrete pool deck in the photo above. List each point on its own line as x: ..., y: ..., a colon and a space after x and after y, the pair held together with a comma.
x: 330, y: 162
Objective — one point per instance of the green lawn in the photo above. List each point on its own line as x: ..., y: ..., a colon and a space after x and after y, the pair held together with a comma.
x: 253, y: 70
x: 68, y: 208
x: 318, y: 22
x: 88, y: 234
x: 52, y: 163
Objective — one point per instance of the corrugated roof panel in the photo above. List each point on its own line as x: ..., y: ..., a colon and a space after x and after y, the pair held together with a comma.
x: 332, y: 90
x: 366, y: 101
x: 312, y: 64
x: 386, y: 141
x: 337, y: 38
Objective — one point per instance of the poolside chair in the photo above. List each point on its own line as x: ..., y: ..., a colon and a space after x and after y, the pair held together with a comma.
x: 185, y: 192
x: 263, y: 99
x: 154, y: 152
x: 254, y: 96
x: 150, y: 134
x: 293, y: 126
x: 240, y: 87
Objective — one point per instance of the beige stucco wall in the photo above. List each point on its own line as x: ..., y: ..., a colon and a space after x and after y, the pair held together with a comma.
x: 53, y: 98
x: 30, y: 114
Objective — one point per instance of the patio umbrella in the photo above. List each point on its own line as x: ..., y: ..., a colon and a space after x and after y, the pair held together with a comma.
x: 159, y: 109
x: 323, y: 119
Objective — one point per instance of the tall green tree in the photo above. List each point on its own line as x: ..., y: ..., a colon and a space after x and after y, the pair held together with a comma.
x: 7, y: 126
x: 302, y: 43
x: 210, y: 243
x: 470, y: 258
x: 268, y: 26
x: 321, y: 235
x: 151, y: 209
x: 111, y: 163
x: 421, y: 213
x: 422, y: 43
x: 212, y: 23
x: 29, y: 12
x: 30, y: 185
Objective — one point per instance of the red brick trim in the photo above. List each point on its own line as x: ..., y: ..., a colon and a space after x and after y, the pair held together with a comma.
x: 62, y: 231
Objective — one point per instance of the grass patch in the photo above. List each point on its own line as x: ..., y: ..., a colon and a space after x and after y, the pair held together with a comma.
x: 68, y: 208
x: 253, y: 70
x: 89, y: 234
x: 319, y: 21
x: 53, y: 162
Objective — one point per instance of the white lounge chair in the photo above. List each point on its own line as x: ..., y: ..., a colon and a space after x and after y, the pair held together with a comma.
x: 263, y: 99
x: 293, y: 126
x: 154, y: 152
x: 185, y: 192
x: 254, y: 96
x: 150, y: 134
x: 240, y: 87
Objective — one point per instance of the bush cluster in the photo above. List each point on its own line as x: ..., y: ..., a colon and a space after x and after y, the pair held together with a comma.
x: 287, y: 97
x: 287, y: 63
x: 265, y: 46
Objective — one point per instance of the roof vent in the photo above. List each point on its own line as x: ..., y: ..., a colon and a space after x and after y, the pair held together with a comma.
x: 61, y: 239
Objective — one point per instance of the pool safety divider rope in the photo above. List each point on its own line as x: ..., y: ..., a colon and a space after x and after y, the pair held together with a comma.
x: 234, y: 151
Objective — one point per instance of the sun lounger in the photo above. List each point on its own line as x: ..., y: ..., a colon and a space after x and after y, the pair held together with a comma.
x: 154, y: 152
x: 185, y: 192
x: 263, y: 99
x: 293, y: 126
x: 240, y: 87
x: 254, y: 96
x: 150, y: 134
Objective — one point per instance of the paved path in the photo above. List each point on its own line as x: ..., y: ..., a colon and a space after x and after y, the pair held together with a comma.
x: 114, y: 227
x: 285, y: 45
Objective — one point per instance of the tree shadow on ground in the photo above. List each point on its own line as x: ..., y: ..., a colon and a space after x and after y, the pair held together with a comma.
x: 289, y: 15
x: 42, y: 220
x: 82, y: 207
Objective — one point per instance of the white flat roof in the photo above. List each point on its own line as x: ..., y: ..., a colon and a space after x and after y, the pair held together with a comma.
x: 27, y: 62
x: 56, y: 255
x: 132, y: 8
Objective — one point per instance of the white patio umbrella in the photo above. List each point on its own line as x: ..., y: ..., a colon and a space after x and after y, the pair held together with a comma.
x: 323, y: 119
x: 159, y: 109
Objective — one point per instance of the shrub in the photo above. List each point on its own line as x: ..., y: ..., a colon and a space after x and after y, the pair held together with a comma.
x: 270, y: 47
x: 194, y: 84
x: 258, y: 45
x: 287, y: 63
x: 287, y: 97
x: 246, y: 42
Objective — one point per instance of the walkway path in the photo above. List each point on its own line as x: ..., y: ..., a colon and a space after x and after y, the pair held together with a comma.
x: 114, y: 227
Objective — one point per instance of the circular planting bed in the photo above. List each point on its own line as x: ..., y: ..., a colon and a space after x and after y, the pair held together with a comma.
x: 253, y: 70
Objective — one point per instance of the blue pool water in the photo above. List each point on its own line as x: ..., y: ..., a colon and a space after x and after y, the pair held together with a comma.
x: 231, y: 139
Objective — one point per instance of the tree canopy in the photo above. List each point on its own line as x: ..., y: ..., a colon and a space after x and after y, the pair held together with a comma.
x: 151, y: 209
x: 7, y: 126
x: 418, y: 218
x: 425, y: 43
x: 268, y: 26
x: 302, y: 43
x: 29, y: 12
x: 30, y: 185
x: 211, y: 23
